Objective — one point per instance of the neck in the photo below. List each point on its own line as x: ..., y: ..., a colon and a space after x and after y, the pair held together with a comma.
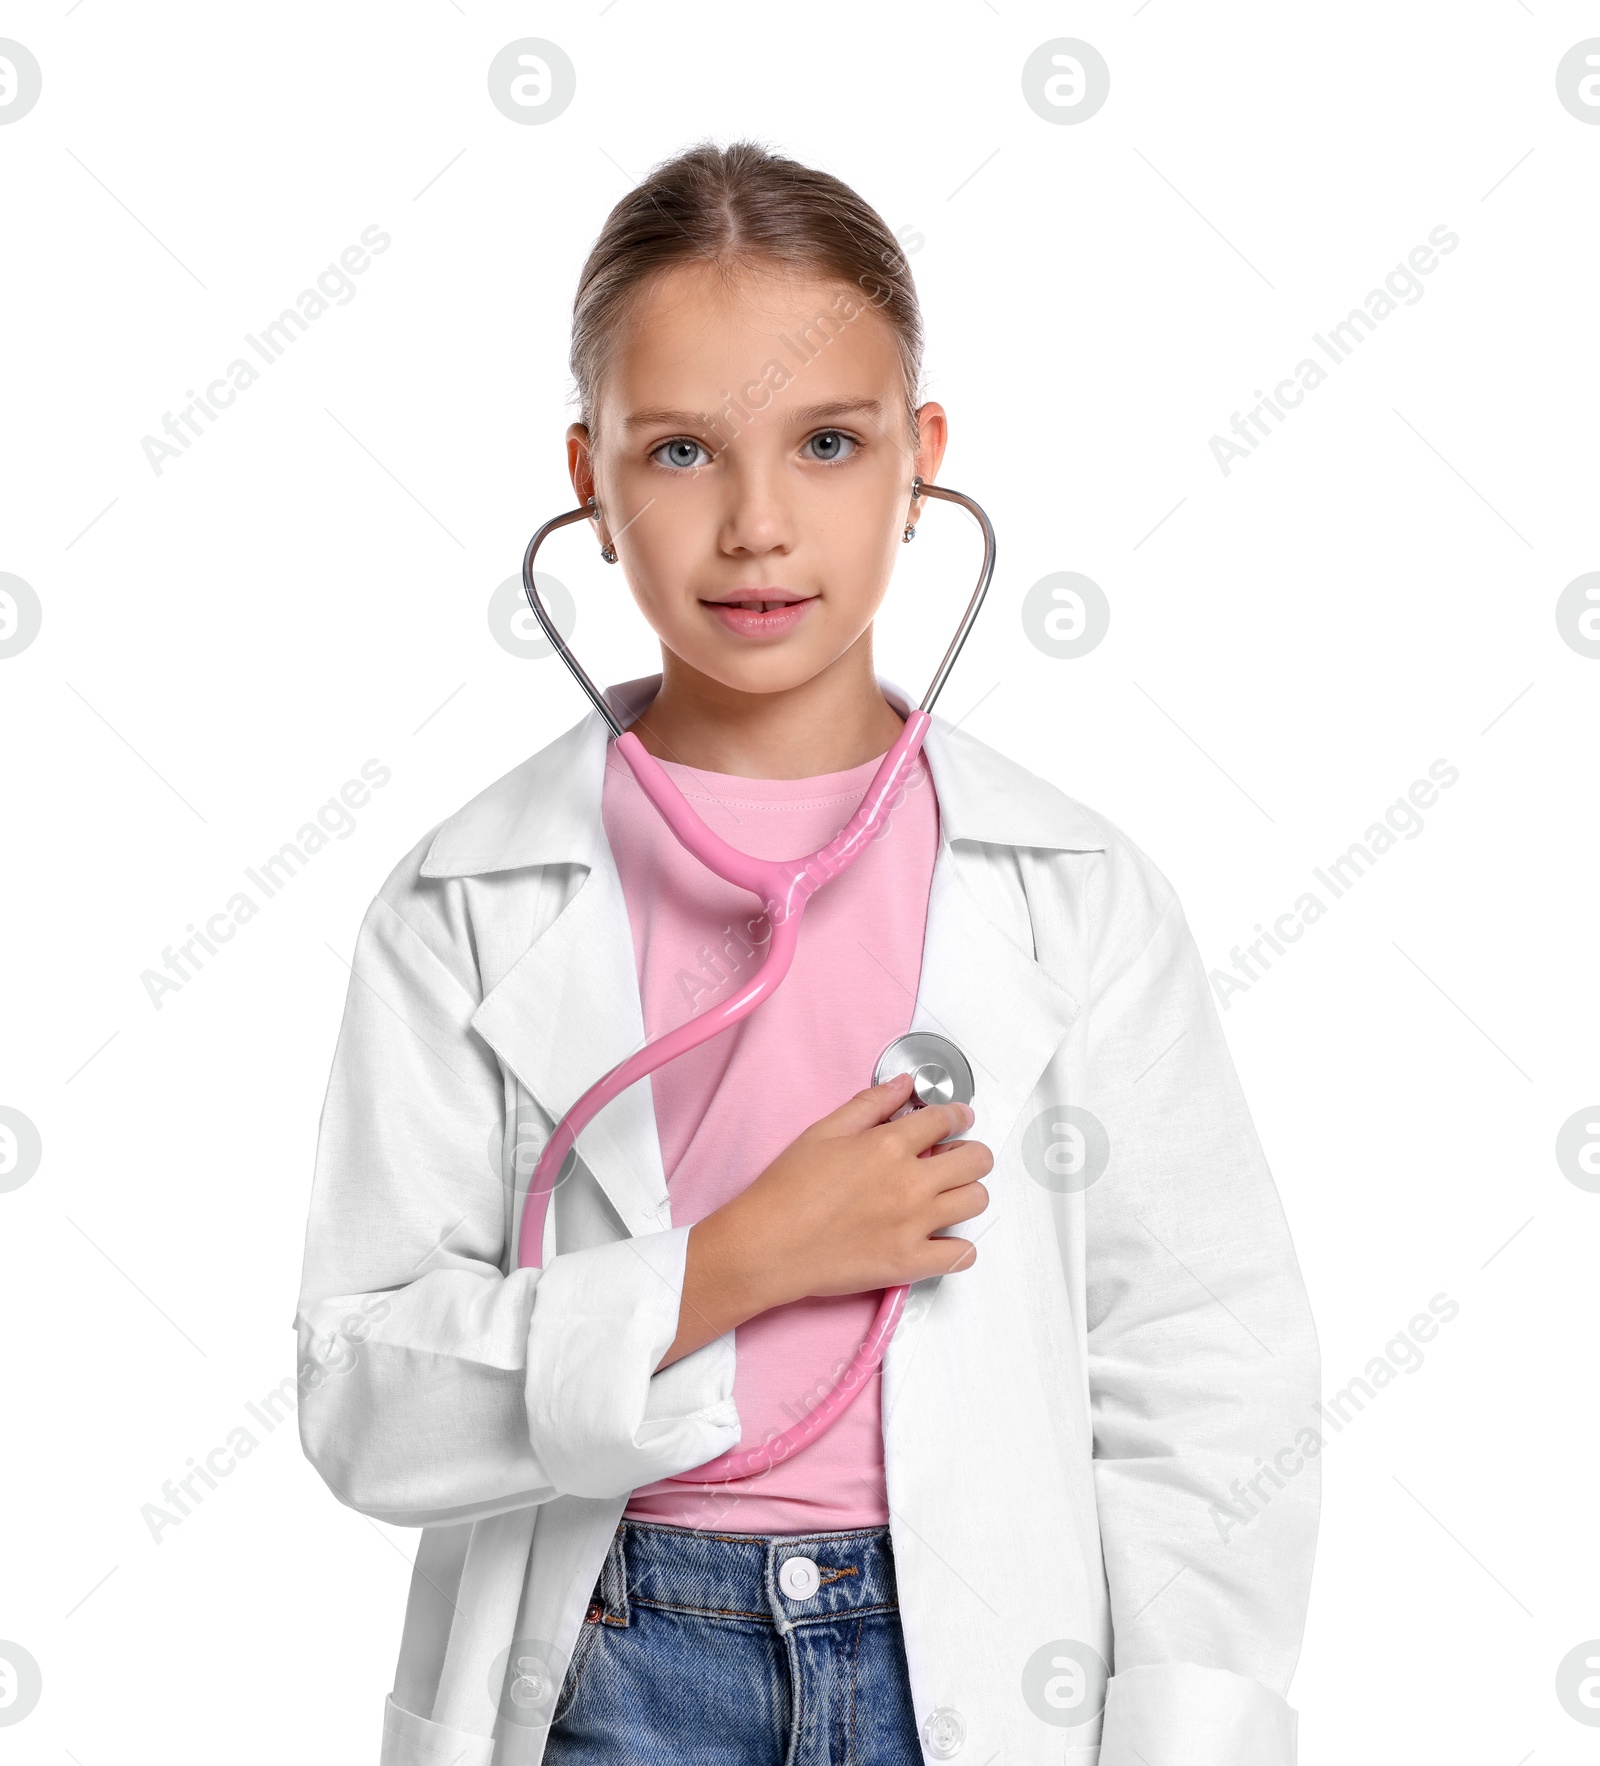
x: 837, y: 720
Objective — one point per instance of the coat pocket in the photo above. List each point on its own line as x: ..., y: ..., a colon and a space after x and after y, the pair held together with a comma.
x: 410, y: 1740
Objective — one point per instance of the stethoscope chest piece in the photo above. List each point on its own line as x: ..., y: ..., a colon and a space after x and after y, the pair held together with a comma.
x: 940, y: 1072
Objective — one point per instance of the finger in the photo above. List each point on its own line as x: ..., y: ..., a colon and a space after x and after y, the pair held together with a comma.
x: 866, y: 1109
x: 960, y: 1163
x: 932, y: 1123
x: 962, y: 1203
x: 945, y: 1257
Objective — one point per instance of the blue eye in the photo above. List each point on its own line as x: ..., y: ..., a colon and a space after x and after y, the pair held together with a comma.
x: 675, y: 450
x: 835, y: 437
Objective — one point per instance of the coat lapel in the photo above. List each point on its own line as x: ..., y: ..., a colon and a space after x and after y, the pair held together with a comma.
x: 980, y: 985
x: 567, y: 1014
x: 569, y: 1009
x: 991, y: 999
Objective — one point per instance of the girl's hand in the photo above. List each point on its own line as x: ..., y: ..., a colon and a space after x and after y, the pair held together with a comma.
x: 848, y: 1207
x: 850, y: 1204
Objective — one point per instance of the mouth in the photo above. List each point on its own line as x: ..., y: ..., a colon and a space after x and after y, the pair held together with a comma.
x: 758, y: 599
x: 761, y: 613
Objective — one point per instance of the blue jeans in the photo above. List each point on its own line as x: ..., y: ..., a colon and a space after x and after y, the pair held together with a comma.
x: 739, y: 1649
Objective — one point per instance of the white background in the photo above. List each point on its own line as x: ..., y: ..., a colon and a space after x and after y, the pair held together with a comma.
x: 1291, y: 645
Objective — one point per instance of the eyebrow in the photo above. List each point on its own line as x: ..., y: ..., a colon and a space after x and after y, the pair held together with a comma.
x: 805, y: 415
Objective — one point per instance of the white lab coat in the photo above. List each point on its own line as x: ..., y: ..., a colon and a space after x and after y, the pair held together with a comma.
x: 1066, y: 1423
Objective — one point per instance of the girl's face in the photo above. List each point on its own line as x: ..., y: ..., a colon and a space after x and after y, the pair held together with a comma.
x: 751, y: 447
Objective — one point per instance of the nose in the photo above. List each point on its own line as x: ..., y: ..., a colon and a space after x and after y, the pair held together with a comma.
x: 758, y: 519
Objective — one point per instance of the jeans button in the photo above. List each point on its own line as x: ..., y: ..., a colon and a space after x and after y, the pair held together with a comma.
x: 944, y: 1732
x: 799, y: 1578
x: 594, y: 1612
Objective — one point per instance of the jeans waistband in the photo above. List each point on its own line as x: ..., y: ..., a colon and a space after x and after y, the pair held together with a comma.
x: 744, y: 1575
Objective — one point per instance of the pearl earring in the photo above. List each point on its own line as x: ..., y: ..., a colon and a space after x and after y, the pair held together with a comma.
x: 607, y: 551
x: 916, y: 496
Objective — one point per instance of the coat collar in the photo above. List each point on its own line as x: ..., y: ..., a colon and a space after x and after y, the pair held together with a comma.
x: 547, y: 810
x: 569, y: 1009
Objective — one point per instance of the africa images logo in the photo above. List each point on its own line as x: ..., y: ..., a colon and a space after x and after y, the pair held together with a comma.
x: 1402, y: 285
x: 333, y: 285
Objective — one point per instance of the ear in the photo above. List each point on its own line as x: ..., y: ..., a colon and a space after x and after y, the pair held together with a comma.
x: 933, y: 431
x: 580, y: 461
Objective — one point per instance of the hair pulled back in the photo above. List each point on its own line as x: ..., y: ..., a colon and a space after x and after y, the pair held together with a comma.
x: 739, y: 208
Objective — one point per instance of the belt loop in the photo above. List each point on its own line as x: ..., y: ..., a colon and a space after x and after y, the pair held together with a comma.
x: 775, y: 1595
x: 614, y: 1580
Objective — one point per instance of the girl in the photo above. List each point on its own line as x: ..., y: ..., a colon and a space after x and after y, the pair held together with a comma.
x: 1077, y: 1512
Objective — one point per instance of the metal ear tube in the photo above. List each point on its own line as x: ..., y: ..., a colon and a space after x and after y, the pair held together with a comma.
x: 940, y: 1072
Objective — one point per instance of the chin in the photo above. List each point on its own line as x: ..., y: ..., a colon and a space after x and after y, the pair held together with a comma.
x: 772, y: 673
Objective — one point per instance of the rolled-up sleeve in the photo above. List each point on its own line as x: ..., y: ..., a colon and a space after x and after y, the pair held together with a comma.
x: 433, y: 1386
x: 1203, y: 1367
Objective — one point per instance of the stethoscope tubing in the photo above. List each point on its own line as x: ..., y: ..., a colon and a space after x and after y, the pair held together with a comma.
x: 784, y: 886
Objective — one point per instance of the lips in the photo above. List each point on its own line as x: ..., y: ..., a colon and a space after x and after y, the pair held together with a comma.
x: 759, y: 600
x: 760, y: 616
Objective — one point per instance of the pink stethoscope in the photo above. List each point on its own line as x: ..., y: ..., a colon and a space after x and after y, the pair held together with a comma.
x: 939, y: 1072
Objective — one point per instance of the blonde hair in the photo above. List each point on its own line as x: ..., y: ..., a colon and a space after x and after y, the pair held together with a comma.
x: 738, y: 207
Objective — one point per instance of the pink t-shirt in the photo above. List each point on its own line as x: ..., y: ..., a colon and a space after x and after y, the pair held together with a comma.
x: 725, y: 1110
